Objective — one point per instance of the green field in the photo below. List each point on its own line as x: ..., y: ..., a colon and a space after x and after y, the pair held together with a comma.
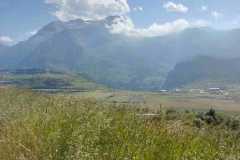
x: 67, y: 81
x: 152, y: 101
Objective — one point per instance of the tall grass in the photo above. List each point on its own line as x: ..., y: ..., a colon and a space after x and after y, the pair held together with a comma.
x: 40, y: 127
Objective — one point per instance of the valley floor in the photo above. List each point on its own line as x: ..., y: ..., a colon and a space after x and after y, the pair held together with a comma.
x: 194, y: 100
x: 184, y: 101
x: 71, y: 84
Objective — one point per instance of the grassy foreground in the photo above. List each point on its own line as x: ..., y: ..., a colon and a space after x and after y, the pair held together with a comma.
x: 35, y: 126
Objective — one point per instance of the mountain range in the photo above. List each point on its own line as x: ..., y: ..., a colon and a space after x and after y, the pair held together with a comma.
x: 123, y: 62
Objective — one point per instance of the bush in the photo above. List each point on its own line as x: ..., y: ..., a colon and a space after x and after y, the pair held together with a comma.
x: 145, y: 110
x: 221, y: 118
x: 200, y: 115
x: 234, y: 125
x: 209, y: 119
x: 211, y: 113
x: 217, y: 119
x: 187, y: 111
x: 171, y: 110
x: 172, y: 116
x: 186, y: 117
x: 199, y: 123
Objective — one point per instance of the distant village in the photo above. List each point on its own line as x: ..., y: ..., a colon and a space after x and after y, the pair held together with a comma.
x: 216, y: 90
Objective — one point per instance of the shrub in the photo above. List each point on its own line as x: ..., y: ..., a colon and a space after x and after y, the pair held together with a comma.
x: 234, y: 124
x: 211, y: 113
x: 187, y: 111
x: 199, y: 123
x: 172, y: 116
x: 200, y: 115
x: 186, y: 117
x: 209, y: 119
x: 171, y: 110
x: 218, y: 119
x: 221, y: 118
x: 145, y: 110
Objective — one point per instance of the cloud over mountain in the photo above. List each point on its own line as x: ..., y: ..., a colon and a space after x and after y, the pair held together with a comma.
x: 201, y: 23
x: 125, y: 26
x: 88, y: 9
x: 5, y: 39
x: 32, y: 33
x: 96, y: 10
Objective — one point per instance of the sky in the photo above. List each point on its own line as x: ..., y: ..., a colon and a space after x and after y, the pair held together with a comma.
x: 20, y: 19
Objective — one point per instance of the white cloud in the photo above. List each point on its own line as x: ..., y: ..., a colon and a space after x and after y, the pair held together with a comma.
x: 100, y: 9
x: 138, y: 9
x: 5, y: 39
x: 88, y: 9
x: 204, y: 8
x: 216, y: 14
x: 125, y: 26
x: 170, y: 6
x: 32, y: 33
x: 201, y: 23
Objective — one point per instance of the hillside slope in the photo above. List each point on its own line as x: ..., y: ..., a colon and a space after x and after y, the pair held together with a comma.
x: 198, y: 68
x: 48, y: 80
x: 3, y: 48
x: 14, y: 54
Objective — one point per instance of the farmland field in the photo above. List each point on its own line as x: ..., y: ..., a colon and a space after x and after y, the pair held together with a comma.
x: 151, y: 100
x: 70, y: 84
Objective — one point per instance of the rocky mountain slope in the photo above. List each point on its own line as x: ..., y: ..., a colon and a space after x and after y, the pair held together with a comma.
x: 89, y: 48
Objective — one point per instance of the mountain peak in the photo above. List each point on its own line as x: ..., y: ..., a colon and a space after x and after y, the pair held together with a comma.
x: 110, y: 20
x: 52, y: 27
x: 208, y: 28
x: 77, y: 22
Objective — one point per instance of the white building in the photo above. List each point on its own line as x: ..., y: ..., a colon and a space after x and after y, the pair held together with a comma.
x: 214, y: 89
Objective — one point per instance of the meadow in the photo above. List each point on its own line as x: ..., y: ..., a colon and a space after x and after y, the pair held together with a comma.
x: 39, y: 126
